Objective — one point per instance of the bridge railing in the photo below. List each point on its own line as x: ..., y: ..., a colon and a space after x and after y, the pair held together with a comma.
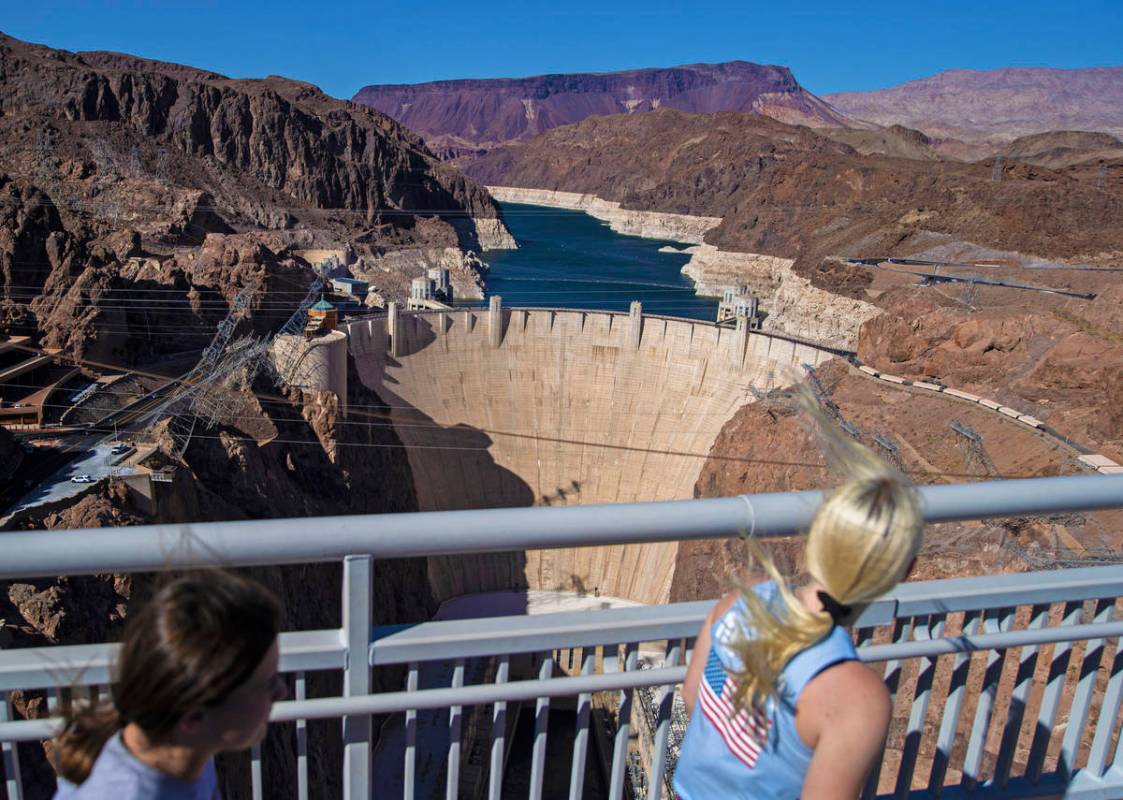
x: 1006, y: 685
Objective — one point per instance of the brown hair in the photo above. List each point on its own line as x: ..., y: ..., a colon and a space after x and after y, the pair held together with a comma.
x: 189, y: 647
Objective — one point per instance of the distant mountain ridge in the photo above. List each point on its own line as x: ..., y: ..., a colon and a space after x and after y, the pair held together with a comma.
x: 995, y: 105
x: 466, y: 117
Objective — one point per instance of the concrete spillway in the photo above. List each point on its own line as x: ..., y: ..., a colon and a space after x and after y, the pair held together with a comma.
x: 507, y: 407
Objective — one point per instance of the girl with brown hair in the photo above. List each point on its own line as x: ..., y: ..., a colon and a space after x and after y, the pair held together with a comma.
x: 196, y: 676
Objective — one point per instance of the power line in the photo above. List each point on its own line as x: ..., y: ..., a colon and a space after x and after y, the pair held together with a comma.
x: 380, y: 406
x: 593, y: 444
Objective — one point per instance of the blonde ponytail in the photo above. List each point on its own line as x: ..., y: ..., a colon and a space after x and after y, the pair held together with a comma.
x: 861, y: 542
x: 770, y: 635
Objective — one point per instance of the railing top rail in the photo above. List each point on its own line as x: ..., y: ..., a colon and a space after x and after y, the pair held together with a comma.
x: 30, y: 554
x: 468, y: 638
x: 442, y: 639
x: 392, y: 702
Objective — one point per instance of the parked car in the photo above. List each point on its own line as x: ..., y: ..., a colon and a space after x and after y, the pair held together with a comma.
x: 117, y: 449
x: 81, y: 479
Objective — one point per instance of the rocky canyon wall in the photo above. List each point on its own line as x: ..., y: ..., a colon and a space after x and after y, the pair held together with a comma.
x: 794, y: 306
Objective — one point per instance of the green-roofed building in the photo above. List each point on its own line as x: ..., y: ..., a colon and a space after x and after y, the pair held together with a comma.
x: 322, y: 318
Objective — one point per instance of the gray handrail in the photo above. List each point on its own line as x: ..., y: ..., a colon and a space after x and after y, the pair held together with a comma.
x: 28, y: 554
x: 486, y: 693
x: 86, y: 664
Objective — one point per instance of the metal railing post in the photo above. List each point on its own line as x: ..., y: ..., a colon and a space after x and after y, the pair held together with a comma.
x: 498, y: 734
x: 455, y: 720
x: 409, y: 768
x: 663, y: 728
x: 541, y: 731
x: 581, y: 737
x: 12, y: 779
x: 300, y: 692
x: 357, y: 620
x: 617, y: 775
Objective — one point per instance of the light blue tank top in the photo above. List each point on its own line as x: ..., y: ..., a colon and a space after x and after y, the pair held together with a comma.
x: 750, y: 754
x: 117, y: 775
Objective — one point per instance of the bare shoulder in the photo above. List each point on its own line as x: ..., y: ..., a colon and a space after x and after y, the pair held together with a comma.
x: 847, y: 699
x: 843, y: 716
x: 848, y: 682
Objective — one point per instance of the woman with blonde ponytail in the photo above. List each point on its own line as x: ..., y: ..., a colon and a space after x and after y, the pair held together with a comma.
x: 196, y: 676
x: 779, y: 705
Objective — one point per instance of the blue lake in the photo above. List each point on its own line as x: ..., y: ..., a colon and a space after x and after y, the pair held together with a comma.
x: 569, y: 259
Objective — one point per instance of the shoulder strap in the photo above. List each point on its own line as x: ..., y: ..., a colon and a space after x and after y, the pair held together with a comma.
x: 836, y: 646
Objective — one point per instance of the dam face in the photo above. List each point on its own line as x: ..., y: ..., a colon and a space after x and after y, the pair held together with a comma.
x: 518, y: 407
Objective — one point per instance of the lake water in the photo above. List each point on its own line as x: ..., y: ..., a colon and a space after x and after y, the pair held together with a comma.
x: 572, y: 260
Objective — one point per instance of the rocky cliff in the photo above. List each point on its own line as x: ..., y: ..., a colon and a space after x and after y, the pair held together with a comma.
x: 465, y: 117
x: 121, y: 175
x: 784, y: 190
x: 11, y: 455
x: 281, y: 457
x: 769, y: 447
x: 136, y: 199
x: 307, y: 150
x: 1062, y: 149
x: 1001, y: 104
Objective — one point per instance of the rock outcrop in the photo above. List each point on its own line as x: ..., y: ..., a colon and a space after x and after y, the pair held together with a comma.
x: 792, y: 304
x: 285, y: 135
x: 464, y: 118
x: 1061, y: 149
x: 121, y: 176
x: 1063, y: 364
x: 787, y: 191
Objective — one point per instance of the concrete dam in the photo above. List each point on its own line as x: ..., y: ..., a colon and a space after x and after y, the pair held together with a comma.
x: 515, y: 407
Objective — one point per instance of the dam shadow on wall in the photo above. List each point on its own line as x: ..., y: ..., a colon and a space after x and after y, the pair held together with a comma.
x: 453, y: 469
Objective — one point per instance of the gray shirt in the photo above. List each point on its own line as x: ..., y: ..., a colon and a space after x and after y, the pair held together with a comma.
x: 117, y: 775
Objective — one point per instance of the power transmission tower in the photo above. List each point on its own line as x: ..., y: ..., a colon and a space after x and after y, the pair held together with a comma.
x: 205, y: 396
x: 969, y: 295
x: 828, y: 404
x: 178, y: 406
x: 44, y: 156
x: 161, y: 169
x: 1101, y: 177
x: 889, y: 447
x: 975, y: 456
x: 996, y: 170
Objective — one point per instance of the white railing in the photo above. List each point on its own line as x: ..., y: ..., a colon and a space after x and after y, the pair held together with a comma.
x: 1006, y: 685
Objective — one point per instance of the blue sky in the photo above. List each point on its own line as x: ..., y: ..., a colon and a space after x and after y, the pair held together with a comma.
x: 341, y: 46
